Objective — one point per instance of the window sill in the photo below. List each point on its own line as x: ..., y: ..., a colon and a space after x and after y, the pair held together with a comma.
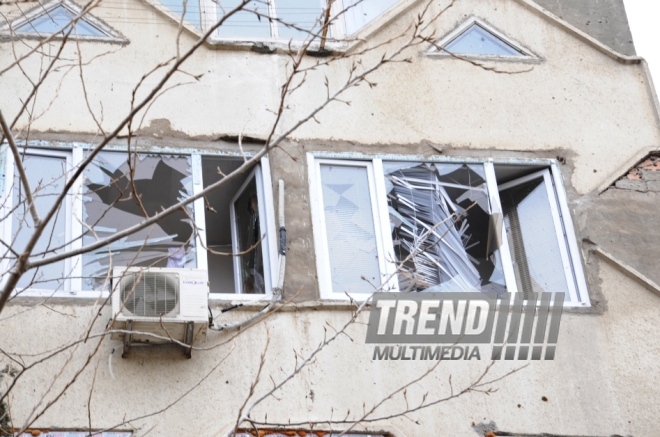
x: 485, y: 58
x: 275, y: 46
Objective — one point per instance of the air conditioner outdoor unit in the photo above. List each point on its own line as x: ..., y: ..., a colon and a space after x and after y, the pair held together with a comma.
x: 170, y: 303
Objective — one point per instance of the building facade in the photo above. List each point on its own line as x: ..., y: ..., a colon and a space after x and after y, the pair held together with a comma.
x: 501, y: 146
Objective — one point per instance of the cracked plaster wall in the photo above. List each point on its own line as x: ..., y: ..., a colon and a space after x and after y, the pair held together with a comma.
x: 625, y: 219
x: 575, y: 98
x: 605, y: 20
x: 604, y: 376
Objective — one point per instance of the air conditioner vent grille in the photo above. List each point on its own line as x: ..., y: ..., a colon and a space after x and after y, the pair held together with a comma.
x: 150, y: 294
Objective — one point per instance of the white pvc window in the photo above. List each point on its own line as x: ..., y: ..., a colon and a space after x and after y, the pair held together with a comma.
x: 46, y: 172
x: 475, y: 37
x: 355, y: 258
x: 283, y: 20
x: 237, y: 218
x: 54, y: 17
x: 535, y: 232
x: 442, y: 227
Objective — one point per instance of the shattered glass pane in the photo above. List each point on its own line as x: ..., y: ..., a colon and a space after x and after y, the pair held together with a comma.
x: 442, y: 227
x: 349, y: 226
x: 246, y: 210
x: 46, y: 176
x: 113, y: 201
x: 532, y: 235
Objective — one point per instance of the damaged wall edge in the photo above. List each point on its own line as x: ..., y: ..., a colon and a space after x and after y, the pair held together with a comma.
x: 632, y: 162
x: 628, y: 270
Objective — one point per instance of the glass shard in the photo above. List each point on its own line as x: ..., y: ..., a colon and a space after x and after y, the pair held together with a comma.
x: 120, y: 191
x: 437, y: 250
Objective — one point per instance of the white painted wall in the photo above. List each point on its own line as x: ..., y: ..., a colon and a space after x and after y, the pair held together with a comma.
x: 577, y: 99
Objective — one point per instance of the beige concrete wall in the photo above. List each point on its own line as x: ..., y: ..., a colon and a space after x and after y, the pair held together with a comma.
x: 603, y: 381
x: 576, y: 99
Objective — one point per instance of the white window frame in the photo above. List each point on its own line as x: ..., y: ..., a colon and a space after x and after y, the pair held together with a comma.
x: 209, y: 13
x: 266, y: 215
x: 336, y: 32
x: 110, y: 35
x: 562, y: 239
x: 382, y: 232
x: 73, y: 284
x: 7, y: 224
x: 526, y: 54
x: 569, y: 250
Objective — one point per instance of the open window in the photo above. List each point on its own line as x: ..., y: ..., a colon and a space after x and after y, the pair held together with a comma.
x: 536, y: 235
x: 238, y: 229
x: 443, y: 226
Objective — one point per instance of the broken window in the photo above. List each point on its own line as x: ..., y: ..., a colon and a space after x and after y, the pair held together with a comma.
x: 440, y: 215
x: 436, y: 227
x: 120, y: 191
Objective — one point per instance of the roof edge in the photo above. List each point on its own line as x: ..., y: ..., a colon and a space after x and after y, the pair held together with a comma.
x: 617, y: 56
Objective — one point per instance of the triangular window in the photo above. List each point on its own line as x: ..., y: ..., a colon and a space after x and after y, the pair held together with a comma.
x: 55, y: 17
x: 476, y: 38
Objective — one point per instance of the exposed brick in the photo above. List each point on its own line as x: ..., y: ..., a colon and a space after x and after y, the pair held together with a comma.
x: 653, y: 185
x: 628, y: 184
x: 651, y: 163
x: 651, y: 175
